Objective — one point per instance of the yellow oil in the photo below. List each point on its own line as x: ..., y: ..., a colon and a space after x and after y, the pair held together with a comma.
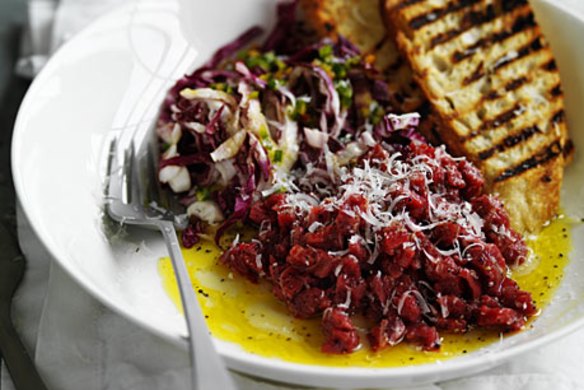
x: 247, y: 314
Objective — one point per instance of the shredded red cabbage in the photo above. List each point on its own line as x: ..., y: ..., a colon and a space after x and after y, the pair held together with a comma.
x: 307, y: 108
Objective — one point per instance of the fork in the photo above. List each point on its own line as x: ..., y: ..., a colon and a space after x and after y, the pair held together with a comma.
x: 134, y: 197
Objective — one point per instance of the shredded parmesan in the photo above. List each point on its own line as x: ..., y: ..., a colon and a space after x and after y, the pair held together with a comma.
x: 387, y: 186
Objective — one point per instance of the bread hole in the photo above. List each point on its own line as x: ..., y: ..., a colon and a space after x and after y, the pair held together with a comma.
x: 440, y: 64
x: 486, y: 86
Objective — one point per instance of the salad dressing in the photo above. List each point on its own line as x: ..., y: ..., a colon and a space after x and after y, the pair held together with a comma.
x: 249, y: 315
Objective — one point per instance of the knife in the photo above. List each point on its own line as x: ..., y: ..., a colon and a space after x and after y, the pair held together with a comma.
x: 19, y: 364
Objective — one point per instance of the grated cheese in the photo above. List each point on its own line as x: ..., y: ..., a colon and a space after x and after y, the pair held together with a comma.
x: 385, y: 184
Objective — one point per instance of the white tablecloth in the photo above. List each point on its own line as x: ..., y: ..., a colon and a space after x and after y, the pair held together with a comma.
x: 80, y: 344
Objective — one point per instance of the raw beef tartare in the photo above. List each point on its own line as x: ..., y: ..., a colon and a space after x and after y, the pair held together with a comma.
x: 409, y: 240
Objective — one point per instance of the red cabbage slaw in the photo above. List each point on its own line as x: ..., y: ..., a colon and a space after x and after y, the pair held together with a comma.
x: 256, y: 120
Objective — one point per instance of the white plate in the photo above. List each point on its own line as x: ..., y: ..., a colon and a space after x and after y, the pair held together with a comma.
x: 113, y: 76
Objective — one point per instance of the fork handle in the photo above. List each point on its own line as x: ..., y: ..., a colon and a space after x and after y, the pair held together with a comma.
x: 19, y: 364
x: 208, y: 371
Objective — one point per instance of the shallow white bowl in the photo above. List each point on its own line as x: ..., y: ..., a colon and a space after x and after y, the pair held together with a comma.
x: 113, y: 76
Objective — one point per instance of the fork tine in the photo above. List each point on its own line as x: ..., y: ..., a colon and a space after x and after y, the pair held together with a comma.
x: 119, y: 189
x: 134, y: 193
x: 110, y: 161
x: 153, y: 189
x: 154, y: 196
x: 113, y: 188
x: 146, y: 178
x: 130, y: 190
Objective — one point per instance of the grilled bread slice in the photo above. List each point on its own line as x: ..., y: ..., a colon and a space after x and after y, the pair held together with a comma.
x: 360, y: 21
x: 495, y: 90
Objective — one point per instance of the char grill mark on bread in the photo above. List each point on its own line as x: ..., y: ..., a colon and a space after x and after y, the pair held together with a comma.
x: 546, y: 154
x: 430, y: 16
x: 514, y: 84
x: 510, y: 141
x: 551, y: 66
x: 407, y: 3
x: 521, y: 24
x: 494, y: 90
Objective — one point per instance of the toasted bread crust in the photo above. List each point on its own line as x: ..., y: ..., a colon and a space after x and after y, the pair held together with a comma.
x: 357, y: 20
x: 495, y: 92
x: 360, y: 21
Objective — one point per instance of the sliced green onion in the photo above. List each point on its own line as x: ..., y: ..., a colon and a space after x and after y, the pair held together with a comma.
x: 340, y: 70
x: 376, y: 115
x: 299, y: 109
x: 203, y: 194
x: 345, y: 92
x: 273, y: 83
x: 325, y: 52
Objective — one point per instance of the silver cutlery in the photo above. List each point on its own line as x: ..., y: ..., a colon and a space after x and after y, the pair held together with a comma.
x: 134, y: 197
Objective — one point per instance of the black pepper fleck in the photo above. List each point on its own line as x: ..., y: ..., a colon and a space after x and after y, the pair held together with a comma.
x: 207, y: 250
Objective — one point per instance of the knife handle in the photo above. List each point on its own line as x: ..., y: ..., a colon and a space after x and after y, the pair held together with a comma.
x: 20, y: 366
